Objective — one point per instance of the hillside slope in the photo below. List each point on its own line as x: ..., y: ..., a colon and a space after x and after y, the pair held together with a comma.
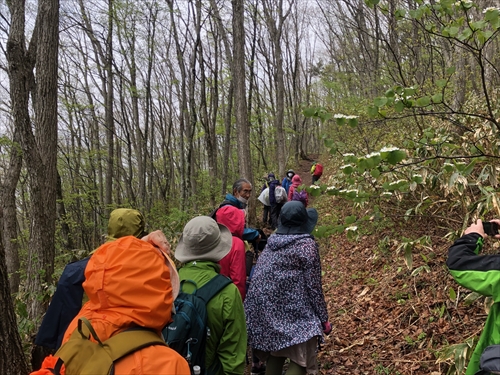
x: 387, y: 318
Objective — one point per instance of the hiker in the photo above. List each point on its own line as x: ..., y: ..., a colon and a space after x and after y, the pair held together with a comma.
x: 294, y: 195
x: 233, y: 265
x: 264, y: 199
x: 285, y: 308
x: 242, y: 189
x: 316, y: 171
x: 128, y: 285
x: 67, y: 299
x: 478, y: 273
x: 275, y: 205
x: 202, y: 244
x: 287, y: 180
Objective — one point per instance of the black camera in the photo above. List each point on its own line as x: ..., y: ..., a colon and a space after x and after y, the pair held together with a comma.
x: 490, y: 228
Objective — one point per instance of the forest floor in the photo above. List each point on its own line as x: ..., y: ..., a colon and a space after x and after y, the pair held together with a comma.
x: 386, y: 318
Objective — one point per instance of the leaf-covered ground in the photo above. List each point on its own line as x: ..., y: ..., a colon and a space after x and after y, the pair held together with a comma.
x: 388, y: 319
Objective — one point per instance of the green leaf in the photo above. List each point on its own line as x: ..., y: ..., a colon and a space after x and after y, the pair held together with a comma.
x: 416, y: 13
x: 353, y: 122
x: 375, y: 173
x: 333, y: 150
x: 309, y: 112
x: 441, y: 83
x: 453, y: 31
x: 418, y: 179
x: 325, y: 116
x: 348, y: 169
x: 423, y: 101
x: 437, y: 98
x: 452, y: 294
x: 409, y: 91
x: 350, y: 219
x: 478, y: 25
x: 395, y: 157
x: 465, y: 34
x: 408, y: 257
x: 399, y: 106
x: 390, y: 93
x: 340, y: 120
x: 468, y: 169
x: 451, y: 70
x: 372, y: 111
x: 380, y: 102
x: 408, y: 103
x: 491, y: 15
x: 400, y: 14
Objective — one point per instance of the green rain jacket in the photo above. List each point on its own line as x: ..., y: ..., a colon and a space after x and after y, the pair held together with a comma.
x: 482, y: 275
x: 226, y: 319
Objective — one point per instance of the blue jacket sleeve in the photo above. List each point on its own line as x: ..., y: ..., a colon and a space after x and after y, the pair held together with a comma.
x: 65, y: 305
x: 250, y: 234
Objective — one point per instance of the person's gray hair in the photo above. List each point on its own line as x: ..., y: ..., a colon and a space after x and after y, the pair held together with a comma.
x: 238, y: 185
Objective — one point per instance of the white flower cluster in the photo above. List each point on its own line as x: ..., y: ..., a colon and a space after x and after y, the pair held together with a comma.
x: 372, y: 155
x: 329, y: 188
x: 348, y: 154
x: 315, y: 187
x: 347, y: 117
x: 352, y: 228
x: 389, y: 149
x: 346, y: 166
x: 460, y: 2
x: 490, y: 9
x: 397, y: 182
x: 386, y: 194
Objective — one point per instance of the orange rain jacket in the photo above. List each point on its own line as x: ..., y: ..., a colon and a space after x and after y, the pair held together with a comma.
x: 128, y: 284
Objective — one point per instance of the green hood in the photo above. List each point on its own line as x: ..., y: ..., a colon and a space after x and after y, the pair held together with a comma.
x: 125, y: 222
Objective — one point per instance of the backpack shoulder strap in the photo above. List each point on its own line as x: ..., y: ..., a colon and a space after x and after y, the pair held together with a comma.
x: 125, y: 342
x: 131, y: 340
x: 214, y: 286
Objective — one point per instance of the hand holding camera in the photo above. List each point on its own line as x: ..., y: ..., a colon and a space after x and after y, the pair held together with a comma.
x: 487, y: 228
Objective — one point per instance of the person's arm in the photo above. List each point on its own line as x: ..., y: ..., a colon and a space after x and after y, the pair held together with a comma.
x: 480, y: 273
x: 238, y: 272
x: 250, y: 234
x: 232, y: 347
x: 312, y: 272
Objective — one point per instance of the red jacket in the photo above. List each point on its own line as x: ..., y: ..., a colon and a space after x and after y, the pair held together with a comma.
x: 233, y: 265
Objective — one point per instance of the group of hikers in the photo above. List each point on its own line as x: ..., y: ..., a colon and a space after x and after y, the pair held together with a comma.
x: 136, y: 297
x: 138, y: 301
x: 274, y: 194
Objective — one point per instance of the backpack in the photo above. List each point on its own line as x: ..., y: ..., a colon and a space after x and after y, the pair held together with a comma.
x: 187, y: 333
x: 489, y: 362
x: 264, y: 197
x: 80, y: 356
x: 280, y: 194
x: 300, y: 196
x: 318, y: 171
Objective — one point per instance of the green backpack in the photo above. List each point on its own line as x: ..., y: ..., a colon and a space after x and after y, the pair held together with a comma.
x: 81, y: 356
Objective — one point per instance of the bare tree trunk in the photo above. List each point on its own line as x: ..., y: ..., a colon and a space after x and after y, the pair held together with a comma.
x: 9, y: 214
x: 40, y: 151
x: 240, y: 104
x: 108, y: 105
x: 275, y: 19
